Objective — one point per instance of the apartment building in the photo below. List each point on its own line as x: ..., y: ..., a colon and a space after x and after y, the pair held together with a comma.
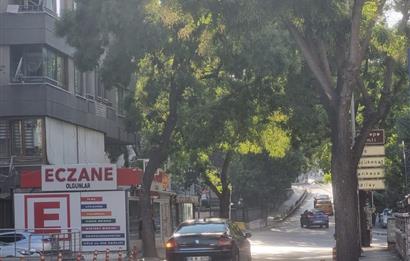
x: 50, y: 112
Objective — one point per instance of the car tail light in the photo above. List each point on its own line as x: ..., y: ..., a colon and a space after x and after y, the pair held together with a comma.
x: 225, y: 242
x: 171, y: 244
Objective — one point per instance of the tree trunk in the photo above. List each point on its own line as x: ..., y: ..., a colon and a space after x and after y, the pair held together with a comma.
x: 224, y: 202
x: 157, y: 156
x: 364, y: 226
x: 345, y: 194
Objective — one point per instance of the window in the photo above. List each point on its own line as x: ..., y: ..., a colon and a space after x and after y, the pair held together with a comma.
x: 79, y: 82
x: 21, y: 138
x: 55, y: 67
x: 34, y: 63
x: 120, y: 100
x: 4, y: 139
x: 197, y: 228
x: 99, y: 86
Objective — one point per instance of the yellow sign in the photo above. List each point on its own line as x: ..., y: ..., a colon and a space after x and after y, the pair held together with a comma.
x: 371, y: 184
x: 377, y: 150
x: 371, y: 162
x: 370, y: 173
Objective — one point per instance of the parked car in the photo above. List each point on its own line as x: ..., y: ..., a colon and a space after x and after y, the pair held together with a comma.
x: 208, y: 239
x: 384, y: 216
x: 25, y: 243
x: 325, y: 205
x: 320, y: 197
x: 314, y: 217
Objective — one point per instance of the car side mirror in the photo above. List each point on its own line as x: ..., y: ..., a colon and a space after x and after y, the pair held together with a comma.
x: 248, y: 235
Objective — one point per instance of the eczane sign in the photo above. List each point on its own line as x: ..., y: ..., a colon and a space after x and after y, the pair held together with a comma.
x: 81, y: 177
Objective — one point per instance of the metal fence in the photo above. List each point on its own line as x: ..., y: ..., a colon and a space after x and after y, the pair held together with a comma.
x: 39, y: 242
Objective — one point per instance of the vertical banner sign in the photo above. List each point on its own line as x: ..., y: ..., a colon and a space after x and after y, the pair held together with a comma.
x: 100, y: 216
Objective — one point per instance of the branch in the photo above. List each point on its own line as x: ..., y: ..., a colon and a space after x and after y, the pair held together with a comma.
x: 366, y: 40
x: 212, y: 186
x: 373, y: 117
x: 314, y: 63
x: 354, y: 52
x: 367, y: 100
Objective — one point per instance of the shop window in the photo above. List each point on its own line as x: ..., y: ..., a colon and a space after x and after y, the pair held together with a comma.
x: 26, y: 137
x: 157, y: 218
x: 4, y: 139
x: 134, y: 220
x: 34, y: 63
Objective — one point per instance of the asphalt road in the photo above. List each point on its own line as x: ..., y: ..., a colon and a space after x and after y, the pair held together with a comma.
x: 288, y: 241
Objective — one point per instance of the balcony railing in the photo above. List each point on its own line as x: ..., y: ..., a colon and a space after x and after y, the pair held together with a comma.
x: 30, y: 8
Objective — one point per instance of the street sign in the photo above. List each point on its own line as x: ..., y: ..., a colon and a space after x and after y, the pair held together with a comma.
x: 376, y: 137
x: 376, y: 150
x: 371, y: 184
x: 371, y: 162
x: 370, y: 173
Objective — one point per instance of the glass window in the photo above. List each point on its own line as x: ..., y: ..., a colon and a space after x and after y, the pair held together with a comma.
x: 121, y: 101
x: 27, y: 137
x: 157, y: 217
x: 16, y: 148
x: 34, y: 63
x: 99, y: 86
x: 4, y: 139
x: 202, y: 228
x: 78, y: 82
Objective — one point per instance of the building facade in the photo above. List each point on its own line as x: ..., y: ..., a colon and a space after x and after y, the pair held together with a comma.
x: 50, y: 112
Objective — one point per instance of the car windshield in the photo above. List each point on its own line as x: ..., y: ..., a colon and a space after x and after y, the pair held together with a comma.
x: 201, y: 228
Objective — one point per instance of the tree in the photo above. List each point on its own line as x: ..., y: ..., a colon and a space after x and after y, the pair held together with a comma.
x: 342, y: 46
x: 160, y: 43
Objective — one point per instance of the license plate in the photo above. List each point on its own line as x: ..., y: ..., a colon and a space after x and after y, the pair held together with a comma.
x: 198, y: 258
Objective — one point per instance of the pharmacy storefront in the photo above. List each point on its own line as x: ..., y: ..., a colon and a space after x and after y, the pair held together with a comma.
x: 97, y: 201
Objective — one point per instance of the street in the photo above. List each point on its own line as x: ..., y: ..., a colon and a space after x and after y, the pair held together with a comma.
x: 288, y: 241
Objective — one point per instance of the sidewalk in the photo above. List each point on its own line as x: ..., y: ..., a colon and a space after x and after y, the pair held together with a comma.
x: 379, y: 254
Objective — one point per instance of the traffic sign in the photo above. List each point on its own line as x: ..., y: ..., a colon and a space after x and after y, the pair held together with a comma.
x: 371, y: 184
x: 370, y: 173
x: 375, y: 137
x: 375, y: 150
x: 371, y: 162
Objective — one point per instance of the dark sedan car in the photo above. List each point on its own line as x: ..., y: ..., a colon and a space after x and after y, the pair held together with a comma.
x: 314, y: 217
x: 208, y: 240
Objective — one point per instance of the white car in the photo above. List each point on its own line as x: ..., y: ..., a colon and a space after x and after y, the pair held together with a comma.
x: 384, y: 216
x: 13, y: 243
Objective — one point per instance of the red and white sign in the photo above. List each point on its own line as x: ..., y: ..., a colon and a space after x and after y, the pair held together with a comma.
x: 100, y: 216
x: 78, y: 177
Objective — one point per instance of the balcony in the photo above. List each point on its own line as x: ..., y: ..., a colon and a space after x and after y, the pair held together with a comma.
x: 31, y: 25
x: 44, y: 99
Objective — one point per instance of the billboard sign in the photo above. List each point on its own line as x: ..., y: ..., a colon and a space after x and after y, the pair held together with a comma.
x: 80, y: 177
x: 100, y: 216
